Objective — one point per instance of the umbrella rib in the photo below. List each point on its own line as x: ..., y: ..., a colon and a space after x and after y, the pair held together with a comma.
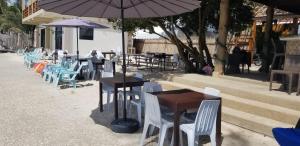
x: 164, y: 7
x: 179, y: 5
x: 75, y: 6
x: 136, y: 9
x: 93, y: 6
x: 151, y: 9
x: 188, y: 3
x: 108, y: 4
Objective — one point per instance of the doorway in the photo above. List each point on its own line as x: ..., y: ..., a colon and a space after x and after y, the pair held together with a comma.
x: 58, y: 38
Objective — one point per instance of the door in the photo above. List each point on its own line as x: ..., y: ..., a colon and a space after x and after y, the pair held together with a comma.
x: 43, y: 38
x: 58, y: 38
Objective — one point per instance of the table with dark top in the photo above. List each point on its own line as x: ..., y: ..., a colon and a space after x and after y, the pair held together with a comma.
x: 178, y: 101
x: 85, y: 59
x: 108, y: 53
x: 117, y: 82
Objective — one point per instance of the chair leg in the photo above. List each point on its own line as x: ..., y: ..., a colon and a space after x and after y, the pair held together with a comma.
x: 271, y: 80
x: 191, y: 139
x: 290, y: 83
x: 93, y: 77
x: 151, y: 131
x: 108, y: 101
x: 139, y: 113
x: 162, y: 135
x: 145, y: 129
x: 73, y: 83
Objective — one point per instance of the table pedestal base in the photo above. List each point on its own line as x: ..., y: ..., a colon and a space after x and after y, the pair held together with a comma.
x: 125, y: 125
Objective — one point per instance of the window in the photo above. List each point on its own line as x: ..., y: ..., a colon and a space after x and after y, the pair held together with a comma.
x: 86, y: 34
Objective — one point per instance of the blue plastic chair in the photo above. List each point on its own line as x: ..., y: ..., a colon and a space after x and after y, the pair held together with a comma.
x: 287, y: 136
x: 55, y: 71
x: 68, y: 76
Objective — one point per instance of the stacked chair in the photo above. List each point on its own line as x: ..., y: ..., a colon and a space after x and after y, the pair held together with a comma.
x: 64, y: 72
x: 31, y: 58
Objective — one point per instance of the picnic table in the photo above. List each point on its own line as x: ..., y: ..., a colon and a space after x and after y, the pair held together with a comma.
x: 178, y: 101
x: 150, y: 59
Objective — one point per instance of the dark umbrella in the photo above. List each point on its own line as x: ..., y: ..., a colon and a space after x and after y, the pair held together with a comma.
x: 75, y: 23
x: 120, y: 9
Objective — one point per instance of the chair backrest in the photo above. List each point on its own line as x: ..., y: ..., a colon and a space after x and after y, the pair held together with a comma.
x: 108, y: 66
x: 206, y: 117
x: 107, y: 74
x: 90, y: 65
x: 152, y: 87
x: 152, y: 109
x: 100, y: 55
x: 292, y: 62
x: 77, y: 72
x: 149, y: 87
x: 211, y: 91
x: 139, y: 76
x: 73, y: 66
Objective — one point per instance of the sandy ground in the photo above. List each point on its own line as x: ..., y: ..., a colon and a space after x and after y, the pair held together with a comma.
x: 33, y: 112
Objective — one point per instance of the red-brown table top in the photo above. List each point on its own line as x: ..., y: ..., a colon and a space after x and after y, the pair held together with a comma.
x: 183, y: 99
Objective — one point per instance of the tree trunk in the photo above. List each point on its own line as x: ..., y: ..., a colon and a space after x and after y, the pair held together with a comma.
x: 266, y: 45
x: 222, y: 38
x: 202, y: 13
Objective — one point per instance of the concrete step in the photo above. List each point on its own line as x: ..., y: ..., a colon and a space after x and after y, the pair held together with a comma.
x: 255, y: 92
x: 250, y: 114
x: 250, y: 121
x: 274, y: 112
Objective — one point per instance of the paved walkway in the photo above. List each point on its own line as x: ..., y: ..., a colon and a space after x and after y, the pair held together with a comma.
x: 33, y: 112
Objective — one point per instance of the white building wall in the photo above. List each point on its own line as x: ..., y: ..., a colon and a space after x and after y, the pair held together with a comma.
x: 67, y: 43
x: 104, y: 40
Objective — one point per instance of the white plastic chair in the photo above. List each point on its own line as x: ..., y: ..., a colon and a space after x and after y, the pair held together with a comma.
x: 193, y: 112
x: 108, y: 66
x: 154, y: 118
x: 211, y: 91
x: 204, y: 124
x: 136, y: 91
x: 138, y: 103
x: 100, y: 55
x: 108, y: 89
x: 91, y: 70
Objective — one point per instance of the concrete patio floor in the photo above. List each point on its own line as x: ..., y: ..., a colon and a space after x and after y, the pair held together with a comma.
x: 33, y: 112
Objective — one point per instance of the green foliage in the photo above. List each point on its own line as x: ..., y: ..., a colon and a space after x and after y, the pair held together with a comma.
x: 11, y: 18
x: 240, y: 18
x: 191, y: 24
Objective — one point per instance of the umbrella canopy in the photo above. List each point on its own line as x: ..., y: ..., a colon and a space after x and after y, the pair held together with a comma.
x: 286, y: 5
x: 112, y: 8
x: 76, y: 23
x: 121, y: 9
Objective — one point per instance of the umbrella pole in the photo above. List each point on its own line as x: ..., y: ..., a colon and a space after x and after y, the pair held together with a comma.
x: 124, y: 62
x: 124, y: 125
x: 77, y: 43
